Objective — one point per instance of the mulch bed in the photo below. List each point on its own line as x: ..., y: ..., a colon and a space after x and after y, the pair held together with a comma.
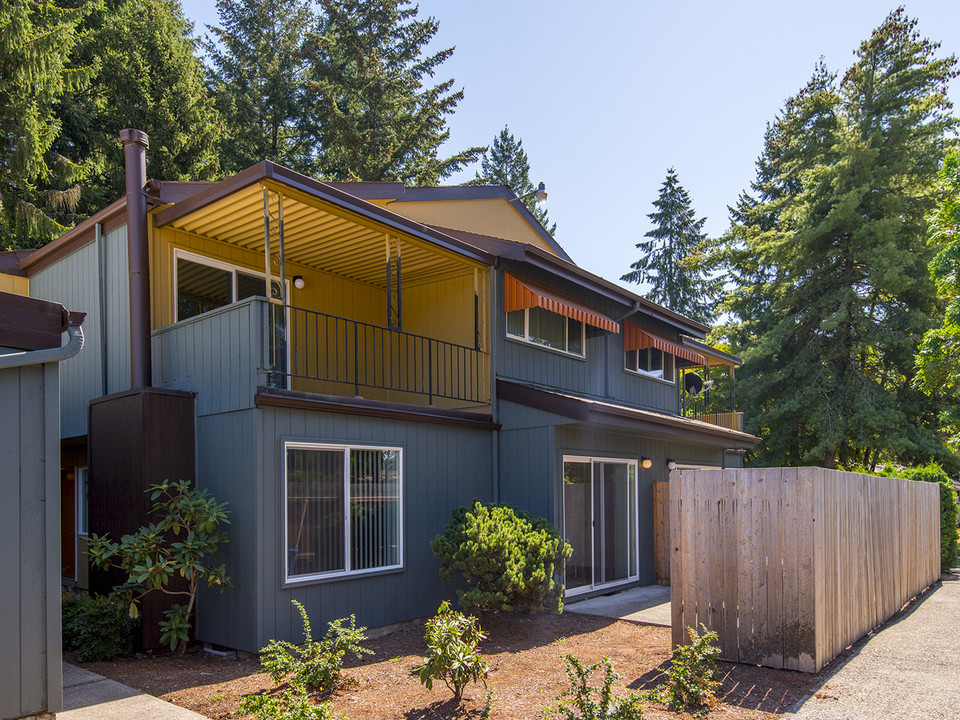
x: 525, y: 655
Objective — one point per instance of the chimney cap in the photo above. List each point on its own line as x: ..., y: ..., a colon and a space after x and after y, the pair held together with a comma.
x: 130, y: 135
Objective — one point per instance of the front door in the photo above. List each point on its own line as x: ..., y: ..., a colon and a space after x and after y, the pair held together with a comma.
x: 600, y: 522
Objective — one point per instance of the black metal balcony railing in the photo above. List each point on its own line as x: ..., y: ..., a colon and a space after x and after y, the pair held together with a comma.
x: 317, y: 351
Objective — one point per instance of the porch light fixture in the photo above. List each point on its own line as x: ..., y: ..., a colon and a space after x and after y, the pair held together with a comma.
x: 298, y: 282
x: 671, y: 464
x: 646, y: 463
x: 540, y: 193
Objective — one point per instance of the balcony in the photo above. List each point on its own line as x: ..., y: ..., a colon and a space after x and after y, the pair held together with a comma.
x: 712, y: 399
x: 311, y: 351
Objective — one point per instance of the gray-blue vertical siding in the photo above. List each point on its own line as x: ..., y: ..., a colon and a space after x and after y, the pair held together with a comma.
x: 599, y: 374
x: 74, y: 281
x: 30, y: 653
x: 533, y: 444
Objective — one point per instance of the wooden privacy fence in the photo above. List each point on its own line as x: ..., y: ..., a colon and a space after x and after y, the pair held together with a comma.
x: 791, y: 565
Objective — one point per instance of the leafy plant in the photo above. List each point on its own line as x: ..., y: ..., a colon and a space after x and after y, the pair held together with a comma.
x: 292, y: 704
x: 690, y: 679
x: 316, y: 663
x: 508, y: 558
x: 589, y: 703
x: 453, y: 651
x: 186, y: 534
x: 96, y: 627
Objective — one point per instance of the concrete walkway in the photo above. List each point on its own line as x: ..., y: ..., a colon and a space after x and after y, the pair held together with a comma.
x: 88, y: 696
x: 649, y: 605
x: 910, y: 670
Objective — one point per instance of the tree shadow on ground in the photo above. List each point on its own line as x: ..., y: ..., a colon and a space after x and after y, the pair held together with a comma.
x: 753, y: 687
x: 443, y: 710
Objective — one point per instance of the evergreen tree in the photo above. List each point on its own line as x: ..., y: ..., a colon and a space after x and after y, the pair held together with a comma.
x: 149, y: 78
x: 672, y: 260
x: 39, y: 188
x: 837, y: 236
x: 938, y: 360
x: 374, y: 116
x: 258, y: 76
x: 505, y: 163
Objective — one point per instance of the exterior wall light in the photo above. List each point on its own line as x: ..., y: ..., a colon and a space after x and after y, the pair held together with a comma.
x: 646, y: 463
x: 298, y: 282
x: 671, y: 464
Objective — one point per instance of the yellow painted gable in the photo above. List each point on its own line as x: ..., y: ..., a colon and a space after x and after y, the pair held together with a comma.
x: 14, y: 284
x: 494, y: 217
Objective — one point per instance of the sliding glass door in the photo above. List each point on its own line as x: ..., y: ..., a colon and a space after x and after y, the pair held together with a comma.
x: 600, y: 522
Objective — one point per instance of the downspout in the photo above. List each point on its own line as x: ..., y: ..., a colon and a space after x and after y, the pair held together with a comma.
x: 135, y: 144
x: 38, y: 357
x: 494, y: 404
x: 102, y: 277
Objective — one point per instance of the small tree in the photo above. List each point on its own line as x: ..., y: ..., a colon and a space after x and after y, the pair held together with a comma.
x: 508, y: 558
x: 187, y: 533
x: 453, y: 651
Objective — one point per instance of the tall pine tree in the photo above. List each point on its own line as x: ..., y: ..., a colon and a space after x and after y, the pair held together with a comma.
x: 672, y: 260
x: 258, y: 82
x: 505, y: 162
x: 39, y: 188
x: 938, y: 360
x: 839, y: 237
x: 149, y: 78
x: 376, y: 117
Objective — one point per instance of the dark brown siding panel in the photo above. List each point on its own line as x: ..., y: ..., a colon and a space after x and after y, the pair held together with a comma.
x: 137, y: 439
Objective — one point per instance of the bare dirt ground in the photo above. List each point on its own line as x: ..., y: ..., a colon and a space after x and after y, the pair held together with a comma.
x: 525, y: 655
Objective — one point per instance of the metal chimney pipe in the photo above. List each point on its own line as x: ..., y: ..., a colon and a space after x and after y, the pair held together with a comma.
x: 135, y: 144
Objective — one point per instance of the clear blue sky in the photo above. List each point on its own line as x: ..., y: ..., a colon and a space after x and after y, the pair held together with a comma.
x: 607, y: 95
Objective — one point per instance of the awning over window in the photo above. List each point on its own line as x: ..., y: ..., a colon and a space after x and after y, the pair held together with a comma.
x: 521, y: 294
x: 636, y: 338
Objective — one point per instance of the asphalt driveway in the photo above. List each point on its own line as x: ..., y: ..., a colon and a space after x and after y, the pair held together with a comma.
x: 910, y: 670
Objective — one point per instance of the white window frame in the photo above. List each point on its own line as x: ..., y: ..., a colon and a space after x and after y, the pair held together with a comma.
x: 347, y: 572
x: 650, y: 375
x: 632, y: 462
x: 525, y: 338
x: 82, y: 500
x: 179, y: 253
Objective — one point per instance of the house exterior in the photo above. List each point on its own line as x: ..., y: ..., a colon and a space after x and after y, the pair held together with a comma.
x: 345, y: 364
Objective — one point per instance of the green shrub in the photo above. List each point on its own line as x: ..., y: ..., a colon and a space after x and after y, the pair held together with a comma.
x: 948, y: 511
x: 96, y: 627
x: 690, y: 679
x: 589, y: 703
x: 292, y: 704
x: 177, y: 545
x: 453, y: 651
x: 317, y: 663
x: 507, y: 557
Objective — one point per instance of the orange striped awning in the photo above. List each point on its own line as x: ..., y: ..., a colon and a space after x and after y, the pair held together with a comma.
x: 636, y: 338
x: 521, y: 294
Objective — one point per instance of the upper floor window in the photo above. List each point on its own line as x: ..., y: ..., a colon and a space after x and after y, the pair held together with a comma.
x: 542, y: 327
x: 650, y: 361
x: 204, y: 284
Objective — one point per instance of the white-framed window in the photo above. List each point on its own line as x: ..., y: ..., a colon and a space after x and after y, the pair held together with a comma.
x: 542, y: 327
x: 82, y: 502
x: 650, y: 362
x: 342, y: 506
x: 202, y: 284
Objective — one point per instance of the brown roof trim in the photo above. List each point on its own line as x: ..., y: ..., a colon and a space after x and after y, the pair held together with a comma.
x: 277, y: 397
x: 112, y: 216
x: 709, y: 350
x: 321, y: 191
x: 30, y: 324
x: 10, y: 261
x: 525, y: 253
x: 648, y: 422
x: 166, y: 192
